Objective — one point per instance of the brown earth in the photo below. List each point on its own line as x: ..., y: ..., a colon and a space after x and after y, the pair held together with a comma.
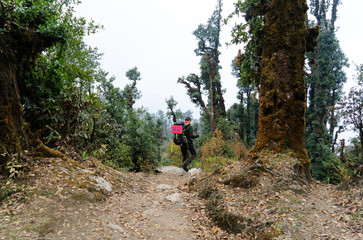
x: 57, y: 199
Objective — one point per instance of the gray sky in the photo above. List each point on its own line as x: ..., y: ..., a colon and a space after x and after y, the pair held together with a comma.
x: 350, y: 34
x: 156, y: 36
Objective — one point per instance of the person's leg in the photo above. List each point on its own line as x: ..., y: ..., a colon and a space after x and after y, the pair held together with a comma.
x: 184, y: 151
x: 190, y: 159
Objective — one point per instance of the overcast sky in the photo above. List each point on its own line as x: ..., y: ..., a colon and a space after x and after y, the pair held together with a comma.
x: 156, y: 37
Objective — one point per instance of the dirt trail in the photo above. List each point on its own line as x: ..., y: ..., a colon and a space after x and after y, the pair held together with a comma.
x: 155, y: 207
x: 59, y: 201
x: 146, y: 213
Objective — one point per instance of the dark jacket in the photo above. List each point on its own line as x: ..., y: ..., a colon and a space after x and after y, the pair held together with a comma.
x: 189, y: 133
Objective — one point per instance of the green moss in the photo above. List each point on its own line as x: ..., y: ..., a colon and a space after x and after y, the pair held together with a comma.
x: 282, y: 93
x: 44, y: 151
x: 88, y: 196
x: 273, y: 202
x: 46, y: 225
x: 268, y: 234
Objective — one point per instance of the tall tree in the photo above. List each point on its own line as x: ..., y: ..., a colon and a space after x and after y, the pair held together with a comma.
x: 351, y: 106
x: 171, y: 104
x: 132, y: 94
x: 324, y: 83
x: 113, y: 99
x: 26, y: 29
x: 208, y: 37
x: 284, y: 41
x: 246, y: 65
x: 352, y: 111
x: 247, y: 109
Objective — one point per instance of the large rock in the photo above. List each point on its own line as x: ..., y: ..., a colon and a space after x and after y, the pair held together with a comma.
x: 171, y: 170
x: 102, y: 183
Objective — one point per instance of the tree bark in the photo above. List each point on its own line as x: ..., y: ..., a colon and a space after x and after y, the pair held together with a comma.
x: 212, y: 94
x: 281, y: 123
x: 249, y: 118
x: 218, y: 86
x: 15, y: 135
x: 361, y: 138
x: 334, y: 14
x: 12, y: 134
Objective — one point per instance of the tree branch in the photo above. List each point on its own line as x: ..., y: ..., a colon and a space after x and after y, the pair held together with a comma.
x: 191, y: 90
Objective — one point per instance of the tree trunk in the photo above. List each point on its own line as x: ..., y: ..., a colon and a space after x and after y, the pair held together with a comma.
x: 333, y: 121
x: 334, y: 14
x: 19, y: 46
x: 249, y: 118
x: 12, y: 127
x: 14, y: 133
x: 212, y: 115
x: 220, y: 105
x: 281, y: 123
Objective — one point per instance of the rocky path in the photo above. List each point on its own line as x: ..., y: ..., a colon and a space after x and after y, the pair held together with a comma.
x: 157, y: 206
x: 59, y: 201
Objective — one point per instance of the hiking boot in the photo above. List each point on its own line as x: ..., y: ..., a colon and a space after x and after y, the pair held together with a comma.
x: 185, y: 167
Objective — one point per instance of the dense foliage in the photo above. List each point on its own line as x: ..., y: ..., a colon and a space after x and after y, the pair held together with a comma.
x: 244, y: 114
x: 27, y: 30
x: 351, y: 109
x: 70, y: 101
x: 324, y: 84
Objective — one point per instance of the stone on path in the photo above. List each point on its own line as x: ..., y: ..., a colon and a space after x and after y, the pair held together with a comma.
x: 164, y: 187
x: 173, y: 197
x: 171, y: 170
x: 115, y: 227
x: 194, y: 172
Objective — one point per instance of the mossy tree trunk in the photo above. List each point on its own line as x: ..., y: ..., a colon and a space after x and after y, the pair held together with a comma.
x: 19, y: 46
x: 15, y: 135
x: 12, y: 133
x: 282, y: 96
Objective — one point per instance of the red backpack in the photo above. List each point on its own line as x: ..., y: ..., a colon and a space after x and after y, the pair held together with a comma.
x: 178, y: 130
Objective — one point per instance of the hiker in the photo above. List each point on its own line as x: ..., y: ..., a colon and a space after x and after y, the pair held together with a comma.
x: 189, y: 134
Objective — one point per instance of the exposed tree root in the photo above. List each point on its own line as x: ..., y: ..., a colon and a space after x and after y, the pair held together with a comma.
x: 42, y: 150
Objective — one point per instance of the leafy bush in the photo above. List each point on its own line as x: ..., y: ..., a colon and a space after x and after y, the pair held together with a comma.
x: 141, y: 135
x: 173, y: 155
x: 217, y: 152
